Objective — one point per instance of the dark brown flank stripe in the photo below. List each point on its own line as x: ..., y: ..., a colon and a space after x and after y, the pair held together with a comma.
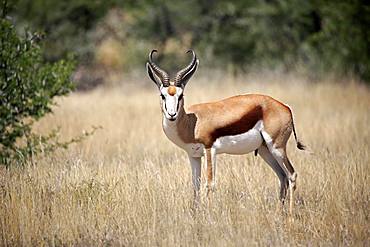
x: 242, y: 125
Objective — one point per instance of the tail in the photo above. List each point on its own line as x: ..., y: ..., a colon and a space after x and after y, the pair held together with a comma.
x: 300, y: 145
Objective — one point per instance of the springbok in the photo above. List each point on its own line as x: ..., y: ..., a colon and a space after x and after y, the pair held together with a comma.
x: 236, y: 125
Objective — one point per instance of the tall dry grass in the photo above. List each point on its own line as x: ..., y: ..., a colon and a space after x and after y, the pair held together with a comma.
x: 129, y: 185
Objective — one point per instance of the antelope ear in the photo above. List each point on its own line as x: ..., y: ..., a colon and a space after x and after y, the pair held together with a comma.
x: 190, y: 73
x: 155, y: 78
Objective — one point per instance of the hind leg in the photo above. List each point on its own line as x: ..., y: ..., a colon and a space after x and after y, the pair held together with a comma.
x: 279, y: 153
x: 282, y: 159
x: 291, y: 182
x: 271, y: 161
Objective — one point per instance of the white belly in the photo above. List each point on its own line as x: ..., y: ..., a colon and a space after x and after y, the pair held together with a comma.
x: 240, y: 144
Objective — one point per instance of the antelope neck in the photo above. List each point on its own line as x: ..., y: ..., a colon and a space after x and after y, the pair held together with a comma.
x: 181, y: 131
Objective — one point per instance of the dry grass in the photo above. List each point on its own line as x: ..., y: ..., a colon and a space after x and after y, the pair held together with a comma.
x: 128, y: 185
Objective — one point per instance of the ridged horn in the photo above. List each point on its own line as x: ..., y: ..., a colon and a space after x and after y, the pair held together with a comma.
x: 159, y: 72
x: 179, y: 79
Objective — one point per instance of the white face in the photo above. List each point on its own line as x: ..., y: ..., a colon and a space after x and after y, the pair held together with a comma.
x: 171, y: 101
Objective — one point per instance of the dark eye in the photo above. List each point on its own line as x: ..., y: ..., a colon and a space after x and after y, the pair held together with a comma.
x: 181, y: 96
x: 162, y: 96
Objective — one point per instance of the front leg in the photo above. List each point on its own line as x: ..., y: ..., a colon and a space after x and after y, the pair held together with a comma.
x: 195, y: 163
x: 210, y: 157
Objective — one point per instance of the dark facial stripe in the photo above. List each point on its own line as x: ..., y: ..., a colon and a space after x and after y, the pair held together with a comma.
x: 178, y: 105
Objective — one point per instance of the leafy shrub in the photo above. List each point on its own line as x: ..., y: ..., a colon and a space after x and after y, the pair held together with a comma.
x: 28, y: 86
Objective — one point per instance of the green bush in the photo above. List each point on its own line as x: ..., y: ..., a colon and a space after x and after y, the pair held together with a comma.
x: 28, y: 86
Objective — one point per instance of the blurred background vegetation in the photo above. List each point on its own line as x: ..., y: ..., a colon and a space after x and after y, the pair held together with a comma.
x: 111, y: 38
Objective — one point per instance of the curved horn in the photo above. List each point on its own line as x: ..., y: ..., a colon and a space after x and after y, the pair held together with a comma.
x: 184, y: 75
x: 160, y: 72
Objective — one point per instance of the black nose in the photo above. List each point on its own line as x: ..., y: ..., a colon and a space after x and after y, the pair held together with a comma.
x: 172, y: 115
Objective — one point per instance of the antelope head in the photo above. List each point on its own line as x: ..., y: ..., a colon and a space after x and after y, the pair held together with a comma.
x: 171, y: 91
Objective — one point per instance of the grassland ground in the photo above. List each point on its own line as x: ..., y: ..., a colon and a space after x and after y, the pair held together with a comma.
x: 128, y: 185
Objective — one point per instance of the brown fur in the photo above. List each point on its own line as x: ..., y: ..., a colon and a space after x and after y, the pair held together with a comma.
x: 206, y: 122
x: 277, y: 120
x: 186, y: 126
x: 171, y: 90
